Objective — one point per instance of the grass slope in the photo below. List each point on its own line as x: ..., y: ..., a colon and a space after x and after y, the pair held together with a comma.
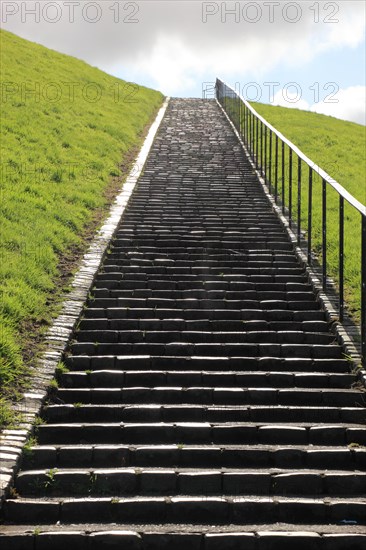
x: 66, y: 128
x: 339, y: 147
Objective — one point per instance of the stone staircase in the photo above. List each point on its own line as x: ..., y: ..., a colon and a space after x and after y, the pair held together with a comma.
x: 207, y: 404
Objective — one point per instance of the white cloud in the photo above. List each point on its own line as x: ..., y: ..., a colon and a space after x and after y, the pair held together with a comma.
x: 290, y: 97
x: 346, y: 104
x: 171, y: 48
x: 349, y: 104
x: 224, y: 42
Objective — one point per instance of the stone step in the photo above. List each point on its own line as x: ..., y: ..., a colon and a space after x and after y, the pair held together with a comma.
x: 351, y: 458
x: 211, y: 272
x: 206, y: 286
x: 251, y: 314
x: 109, y: 378
x: 186, y: 510
x: 206, y: 363
x: 175, y: 236
x: 304, y: 433
x: 197, y: 254
x: 161, y: 482
x: 97, y: 537
x: 214, y: 337
x: 78, y: 411
x: 90, y: 324
x: 264, y: 275
x: 223, y: 295
x: 216, y: 395
x: 202, y: 304
x: 275, y: 243
x: 126, y: 264
x: 314, y: 351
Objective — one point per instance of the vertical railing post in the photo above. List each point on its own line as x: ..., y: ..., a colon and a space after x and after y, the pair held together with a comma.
x: 363, y: 289
x: 298, y: 200
x: 252, y: 133
x: 324, y: 233
x: 341, y: 258
x: 262, y: 148
x: 276, y: 168
x: 290, y: 187
x: 270, y: 162
x: 310, y: 213
x: 283, y: 175
x: 256, y: 143
x: 246, y: 126
x: 265, y: 153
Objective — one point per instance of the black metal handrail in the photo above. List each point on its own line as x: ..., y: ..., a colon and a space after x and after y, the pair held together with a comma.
x: 266, y: 145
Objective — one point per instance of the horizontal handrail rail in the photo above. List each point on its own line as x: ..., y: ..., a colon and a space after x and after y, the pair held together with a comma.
x: 337, y: 186
x: 272, y: 153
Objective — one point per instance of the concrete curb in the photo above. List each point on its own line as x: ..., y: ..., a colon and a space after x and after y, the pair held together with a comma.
x: 347, y: 334
x: 57, y: 337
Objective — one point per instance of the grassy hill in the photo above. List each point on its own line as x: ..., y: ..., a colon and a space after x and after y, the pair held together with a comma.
x: 68, y: 132
x: 335, y: 145
x: 339, y: 148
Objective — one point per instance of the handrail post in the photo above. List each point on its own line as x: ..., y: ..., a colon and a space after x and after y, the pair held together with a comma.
x: 290, y: 187
x: 283, y: 175
x: 298, y: 200
x: 363, y: 289
x: 251, y: 132
x: 324, y: 234
x: 341, y: 258
x: 276, y: 168
x: 256, y: 142
x: 262, y: 148
x: 265, y: 153
x: 270, y: 162
x: 310, y: 213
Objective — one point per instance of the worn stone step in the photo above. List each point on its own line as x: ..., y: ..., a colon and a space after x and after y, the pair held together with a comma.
x: 281, y: 379
x: 195, y: 303
x: 162, y: 482
x: 207, y: 286
x: 190, y: 281
x: 279, y: 274
x: 201, y: 325
x: 216, y: 395
x: 298, y: 457
x: 203, y: 294
x: 211, y: 349
x: 206, y: 363
x: 214, y: 337
x: 269, y: 315
x: 203, y: 432
x: 130, y: 539
x: 210, y: 256
x: 79, y: 412
x: 187, y: 510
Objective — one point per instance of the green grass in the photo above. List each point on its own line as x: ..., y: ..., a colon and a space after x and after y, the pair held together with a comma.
x: 335, y: 145
x: 67, y: 132
x: 338, y: 147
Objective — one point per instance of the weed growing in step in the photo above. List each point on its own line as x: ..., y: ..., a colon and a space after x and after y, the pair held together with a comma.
x: 51, y: 478
x: 62, y: 368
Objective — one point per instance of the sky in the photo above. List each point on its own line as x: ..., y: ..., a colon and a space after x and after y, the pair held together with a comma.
x: 306, y: 54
